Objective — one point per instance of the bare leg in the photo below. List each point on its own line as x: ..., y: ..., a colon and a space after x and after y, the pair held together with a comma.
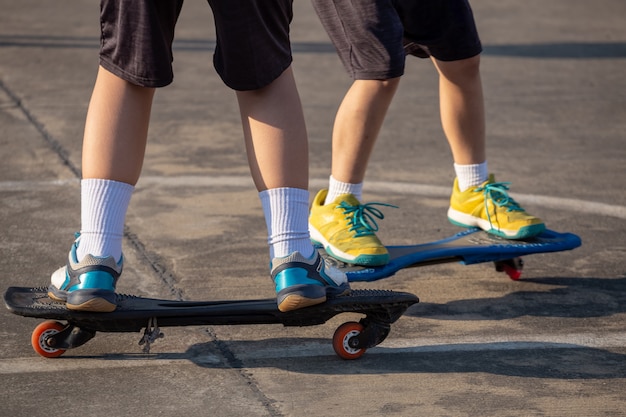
x: 275, y: 134
x: 357, y: 124
x: 114, y: 144
x: 277, y: 148
x: 116, y: 129
x: 462, y: 109
x: 113, y: 148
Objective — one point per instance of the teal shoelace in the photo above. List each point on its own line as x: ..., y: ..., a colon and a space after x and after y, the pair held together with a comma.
x: 362, y: 218
x: 497, y: 193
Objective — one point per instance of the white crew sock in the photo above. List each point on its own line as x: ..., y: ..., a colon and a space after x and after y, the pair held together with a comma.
x: 286, y: 213
x: 337, y: 188
x: 471, y: 175
x: 103, y: 211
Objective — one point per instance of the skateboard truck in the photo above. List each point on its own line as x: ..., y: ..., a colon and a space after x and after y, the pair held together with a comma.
x: 69, y: 337
x: 150, y: 334
x: 512, y: 267
x: 373, y: 334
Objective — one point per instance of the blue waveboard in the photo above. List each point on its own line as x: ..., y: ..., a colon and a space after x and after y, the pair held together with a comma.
x: 468, y: 247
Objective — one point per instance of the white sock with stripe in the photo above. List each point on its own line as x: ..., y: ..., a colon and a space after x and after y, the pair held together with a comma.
x: 286, y: 213
x: 103, y: 211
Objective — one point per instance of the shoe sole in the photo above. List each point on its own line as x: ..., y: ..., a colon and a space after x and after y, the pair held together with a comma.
x: 296, y: 302
x: 365, y: 260
x: 458, y: 218
x: 92, y: 300
x: 54, y: 297
x: 292, y: 302
x: 95, y: 305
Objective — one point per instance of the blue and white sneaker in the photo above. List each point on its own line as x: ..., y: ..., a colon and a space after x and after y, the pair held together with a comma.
x: 88, y: 285
x: 302, y: 282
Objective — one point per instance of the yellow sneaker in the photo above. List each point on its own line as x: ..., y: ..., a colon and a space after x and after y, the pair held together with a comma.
x: 346, y: 229
x: 490, y: 208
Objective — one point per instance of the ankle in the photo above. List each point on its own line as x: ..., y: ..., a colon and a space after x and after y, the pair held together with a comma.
x: 471, y: 175
x: 337, y: 188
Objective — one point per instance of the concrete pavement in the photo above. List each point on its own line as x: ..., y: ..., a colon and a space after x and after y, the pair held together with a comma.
x: 478, y: 344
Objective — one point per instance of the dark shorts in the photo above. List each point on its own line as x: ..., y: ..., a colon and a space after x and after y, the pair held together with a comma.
x: 252, y: 40
x: 372, y: 38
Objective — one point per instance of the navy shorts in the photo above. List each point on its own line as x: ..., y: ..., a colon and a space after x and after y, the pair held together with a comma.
x: 373, y: 38
x: 252, y: 40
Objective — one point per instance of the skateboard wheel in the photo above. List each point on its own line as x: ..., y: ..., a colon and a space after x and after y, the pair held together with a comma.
x: 40, y: 336
x: 342, y: 340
